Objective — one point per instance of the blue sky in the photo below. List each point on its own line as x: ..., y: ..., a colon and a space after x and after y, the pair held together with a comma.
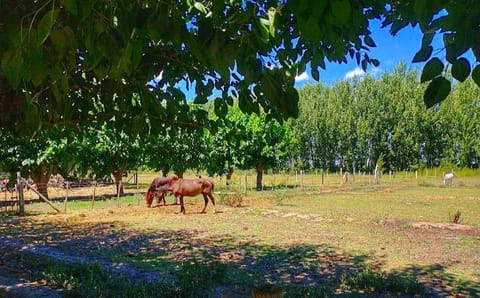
x: 390, y: 51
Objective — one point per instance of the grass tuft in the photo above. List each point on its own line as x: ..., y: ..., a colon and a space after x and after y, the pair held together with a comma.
x: 371, y: 281
x: 456, y: 218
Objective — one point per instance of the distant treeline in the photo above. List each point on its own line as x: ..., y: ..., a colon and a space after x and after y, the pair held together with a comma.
x: 354, y: 123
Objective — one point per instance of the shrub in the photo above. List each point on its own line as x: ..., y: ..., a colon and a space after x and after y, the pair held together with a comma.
x: 456, y: 218
x: 233, y: 199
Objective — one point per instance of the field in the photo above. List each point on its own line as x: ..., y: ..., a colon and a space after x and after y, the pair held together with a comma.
x: 406, y: 236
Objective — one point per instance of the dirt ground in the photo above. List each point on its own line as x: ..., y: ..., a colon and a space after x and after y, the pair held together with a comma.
x: 257, y: 236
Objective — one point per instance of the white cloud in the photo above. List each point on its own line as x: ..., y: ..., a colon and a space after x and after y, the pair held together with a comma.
x: 357, y: 72
x: 302, y: 77
x: 376, y: 71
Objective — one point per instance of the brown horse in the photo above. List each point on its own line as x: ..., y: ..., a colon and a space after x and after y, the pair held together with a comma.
x: 191, y: 188
x: 158, y: 188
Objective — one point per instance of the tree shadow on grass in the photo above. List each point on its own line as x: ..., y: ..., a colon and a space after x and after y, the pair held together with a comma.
x: 301, y: 269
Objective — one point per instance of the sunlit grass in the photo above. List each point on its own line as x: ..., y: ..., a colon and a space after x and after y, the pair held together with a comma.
x: 356, y: 218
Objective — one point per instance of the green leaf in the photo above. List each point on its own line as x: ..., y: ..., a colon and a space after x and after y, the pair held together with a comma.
x: 138, y: 123
x: 369, y: 41
x: 427, y: 39
x: 364, y: 65
x: 476, y: 51
x: 200, y: 100
x: 423, y: 54
x: 437, y: 91
x: 476, y: 75
x: 12, y: 66
x: 292, y: 105
x: 431, y: 70
x: 262, y: 29
x: 220, y: 107
x: 454, y: 46
x: 315, y: 74
x: 199, y: 6
x: 45, y: 25
x: 70, y: 6
x: 341, y: 11
x: 271, y: 20
x: 461, y: 69
x: 398, y: 25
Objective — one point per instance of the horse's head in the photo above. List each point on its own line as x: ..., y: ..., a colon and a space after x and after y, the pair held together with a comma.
x: 149, y: 198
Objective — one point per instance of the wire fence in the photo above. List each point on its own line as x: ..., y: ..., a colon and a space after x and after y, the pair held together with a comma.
x: 91, y: 193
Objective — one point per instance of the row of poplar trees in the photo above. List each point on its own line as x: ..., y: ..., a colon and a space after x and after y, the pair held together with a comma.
x: 354, y: 123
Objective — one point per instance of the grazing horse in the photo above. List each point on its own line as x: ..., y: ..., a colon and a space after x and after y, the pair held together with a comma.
x: 159, y: 187
x: 191, y: 188
x: 448, y: 178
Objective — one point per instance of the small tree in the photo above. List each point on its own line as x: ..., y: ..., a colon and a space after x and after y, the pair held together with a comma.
x: 38, y: 157
x: 108, y: 151
x: 378, y: 170
x: 267, y: 144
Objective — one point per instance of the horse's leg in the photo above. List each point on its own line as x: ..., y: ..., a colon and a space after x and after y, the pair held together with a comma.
x: 162, y: 197
x: 205, y: 198
x: 213, y: 202
x: 182, y: 208
x: 175, y: 200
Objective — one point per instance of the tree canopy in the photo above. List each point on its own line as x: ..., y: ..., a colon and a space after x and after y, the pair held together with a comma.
x: 75, y: 62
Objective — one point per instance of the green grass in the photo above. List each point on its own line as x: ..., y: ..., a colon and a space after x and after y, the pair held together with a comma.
x: 197, y: 279
x: 359, y: 235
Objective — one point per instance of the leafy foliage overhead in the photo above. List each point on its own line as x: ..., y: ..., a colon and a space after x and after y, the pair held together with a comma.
x: 76, y: 62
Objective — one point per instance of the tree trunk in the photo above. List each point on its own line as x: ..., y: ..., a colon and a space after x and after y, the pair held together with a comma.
x: 42, y: 180
x: 179, y: 174
x: 118, y: 179
x: 259, y: 177
x: 229, y: 176
x: 165, y: 170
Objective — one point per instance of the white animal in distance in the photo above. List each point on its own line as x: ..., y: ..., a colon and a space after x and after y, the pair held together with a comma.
x: 448, y: 178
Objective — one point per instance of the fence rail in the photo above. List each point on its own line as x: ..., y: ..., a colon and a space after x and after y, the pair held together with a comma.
x: 8, y: 200
x: 241, y: 182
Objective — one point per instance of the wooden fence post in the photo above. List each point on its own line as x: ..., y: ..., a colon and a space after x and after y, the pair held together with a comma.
x: 137, y: 192
x: 273, y: 183
x: 21, y: 201
x: 118, y: 192
x: 245, y: 179
x: 302, y: 173
x: 93, y: 194
x: 66, y: 198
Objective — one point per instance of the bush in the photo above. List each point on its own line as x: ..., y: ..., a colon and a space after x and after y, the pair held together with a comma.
x: 370, y: 281
x: 233, y: 199
x: 456, y: 218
